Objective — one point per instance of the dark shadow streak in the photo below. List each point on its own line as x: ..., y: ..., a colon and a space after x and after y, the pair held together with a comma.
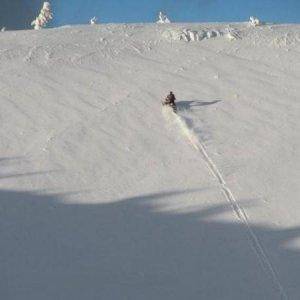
x: 10, y: 158
x: 12, y: 175
x: 194, y: 103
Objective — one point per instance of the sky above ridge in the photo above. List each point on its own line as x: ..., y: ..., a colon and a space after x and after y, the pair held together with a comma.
x: 17, y: 14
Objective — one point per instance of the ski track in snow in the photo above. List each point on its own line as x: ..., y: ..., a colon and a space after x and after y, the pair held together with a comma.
x: 238, y: 210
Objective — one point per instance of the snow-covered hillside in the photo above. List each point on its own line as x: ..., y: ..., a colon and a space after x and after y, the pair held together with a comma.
x: 105, y: 195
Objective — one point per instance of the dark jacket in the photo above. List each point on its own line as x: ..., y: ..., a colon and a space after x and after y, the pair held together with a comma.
x: 170, y: 98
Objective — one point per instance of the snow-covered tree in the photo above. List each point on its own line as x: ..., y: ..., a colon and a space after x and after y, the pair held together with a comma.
x: 254, y: 22
x: 44, y: 17
x: 162, y: 18
x: 3, y: 29
x: 93, y: 21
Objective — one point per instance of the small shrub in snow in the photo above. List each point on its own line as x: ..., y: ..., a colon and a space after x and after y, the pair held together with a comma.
x: 163, y: 19
x: 254, y: 22
x: 44, y: 17
x: 93, y: 21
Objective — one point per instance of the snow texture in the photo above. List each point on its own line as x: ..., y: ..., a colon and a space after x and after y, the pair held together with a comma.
x: 105, y: 194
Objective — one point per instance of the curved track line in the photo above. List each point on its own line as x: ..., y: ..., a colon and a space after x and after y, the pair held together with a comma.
x: 239, y: 211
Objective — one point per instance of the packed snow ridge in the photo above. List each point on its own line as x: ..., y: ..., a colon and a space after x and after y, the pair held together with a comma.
x: 190, y: 35
x: 105, y: 194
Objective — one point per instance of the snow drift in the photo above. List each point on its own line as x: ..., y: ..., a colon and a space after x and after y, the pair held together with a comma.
x: 196, y: 35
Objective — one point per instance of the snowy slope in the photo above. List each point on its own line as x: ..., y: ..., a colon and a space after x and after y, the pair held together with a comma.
x: 105, y: 195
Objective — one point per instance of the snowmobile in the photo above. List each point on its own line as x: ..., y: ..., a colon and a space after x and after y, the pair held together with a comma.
x: 170, y: 101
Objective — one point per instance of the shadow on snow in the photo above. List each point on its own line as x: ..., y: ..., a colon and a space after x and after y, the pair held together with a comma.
x: 130, y: 250
x: 194, y: 103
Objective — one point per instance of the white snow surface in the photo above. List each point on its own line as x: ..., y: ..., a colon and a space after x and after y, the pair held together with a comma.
x: 104, y: 194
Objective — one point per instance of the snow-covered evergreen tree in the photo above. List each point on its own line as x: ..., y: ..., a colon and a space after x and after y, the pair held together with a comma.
x: 163, y: 19
x: 3, y: 29
x: 93, y: 21
x: 254, y: 22
x: 44, y: 17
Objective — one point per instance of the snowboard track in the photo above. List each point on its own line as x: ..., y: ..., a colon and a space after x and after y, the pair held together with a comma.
x: 256, y: 245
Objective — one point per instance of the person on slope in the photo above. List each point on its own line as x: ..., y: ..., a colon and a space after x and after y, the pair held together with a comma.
x: 170, y: 100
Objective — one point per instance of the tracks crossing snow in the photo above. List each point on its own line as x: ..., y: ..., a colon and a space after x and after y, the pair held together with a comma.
x: 238, y: 210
